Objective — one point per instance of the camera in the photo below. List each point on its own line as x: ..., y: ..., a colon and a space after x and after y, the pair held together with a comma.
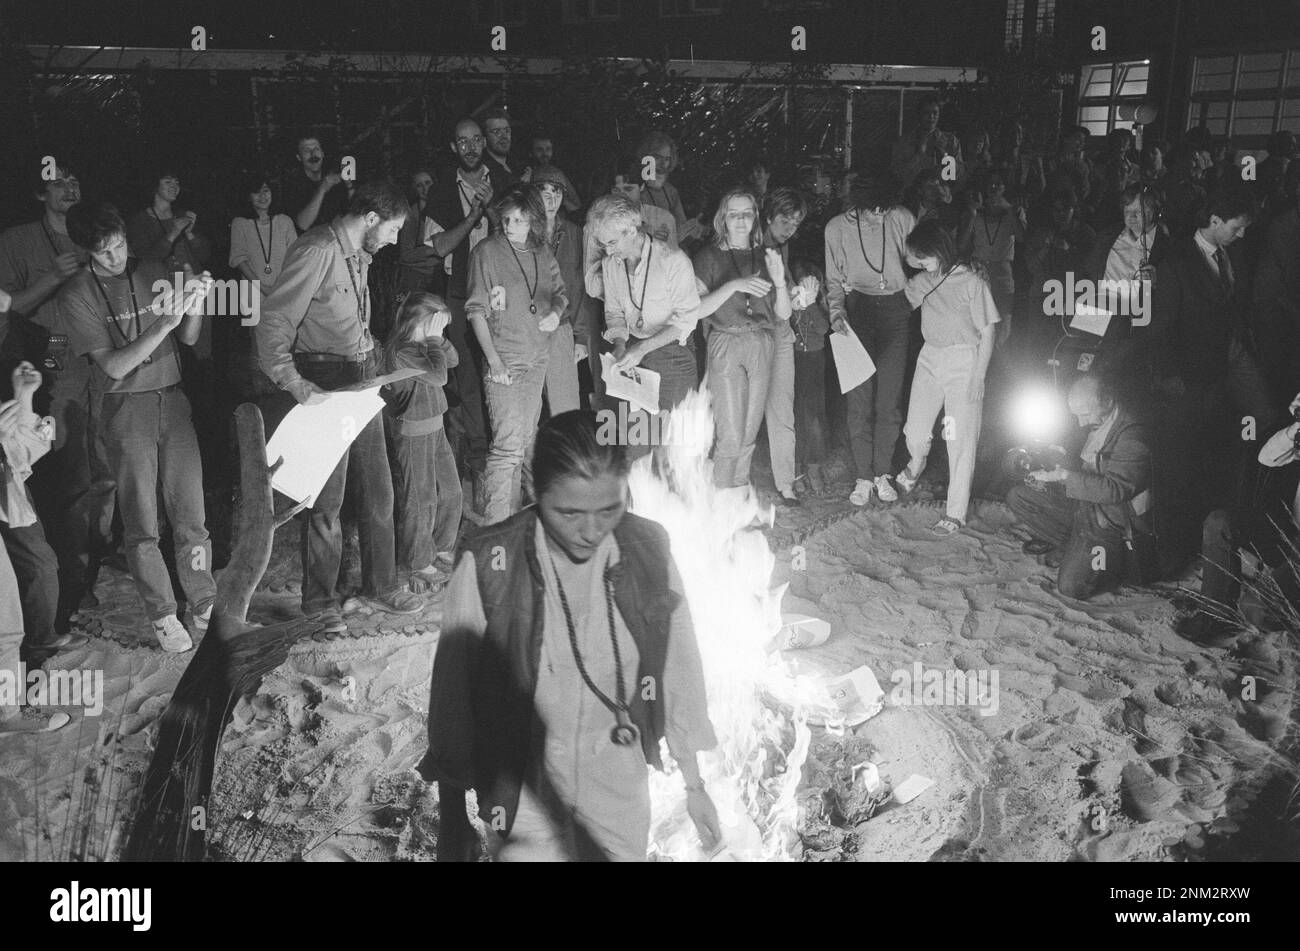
x: 1022, y: 460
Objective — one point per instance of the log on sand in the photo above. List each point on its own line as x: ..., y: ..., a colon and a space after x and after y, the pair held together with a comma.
x: 229, y: 664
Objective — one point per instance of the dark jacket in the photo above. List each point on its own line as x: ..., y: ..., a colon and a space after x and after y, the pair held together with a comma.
x: 1124, y: 473
x: 1193, y: 319
x: 483, y: 728
x: 444, y: 207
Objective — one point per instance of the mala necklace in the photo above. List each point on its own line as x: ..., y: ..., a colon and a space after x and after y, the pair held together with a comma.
x: 863, y: 245
x: 532, y: 288
x: 623, y: 733
x: 645, y: 281
x: 270, y: 242
x: 753, y: 270
x: 362, y: 299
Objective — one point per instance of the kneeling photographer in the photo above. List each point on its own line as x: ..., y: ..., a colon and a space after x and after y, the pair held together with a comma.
x: 1091, y: 519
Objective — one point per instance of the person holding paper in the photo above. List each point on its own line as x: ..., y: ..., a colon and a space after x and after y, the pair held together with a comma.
x: 516, y: 297
x: 314, y: 337
x: 744, y: 296
x: 865, y: 281
x: 958, y: 320
x: 132, y: 339
x: 651, y: 302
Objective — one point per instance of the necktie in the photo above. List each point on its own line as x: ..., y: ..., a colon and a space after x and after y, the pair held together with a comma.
x: 1221, y: 259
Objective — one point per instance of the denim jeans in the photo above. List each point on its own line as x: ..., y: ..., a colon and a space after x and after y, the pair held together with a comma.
x: 150, y: 439
x: 875, y: 409
x: 740, y: 367
x: 37, y: 570
x: 562, y: 372
x: 779, y: 413
x: 73, y: 488
x: 810, y: 406
x: 364, y: 470
x: 428, y: 493
x: 514, y: 410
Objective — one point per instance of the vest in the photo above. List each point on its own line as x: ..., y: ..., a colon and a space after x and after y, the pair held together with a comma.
x: 483, y: 730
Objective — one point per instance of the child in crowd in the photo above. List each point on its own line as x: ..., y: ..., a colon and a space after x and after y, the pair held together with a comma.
x: 958, y: 322
x: 427, y: 488
x: 810, y: 322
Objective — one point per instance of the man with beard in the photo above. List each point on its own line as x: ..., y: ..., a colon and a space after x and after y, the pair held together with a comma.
x: 496, y: 126
x: 314, y: 337
x: 73, y: 489
x: 1091, y: 530
x: 311, y: 195
x: 458, y: 213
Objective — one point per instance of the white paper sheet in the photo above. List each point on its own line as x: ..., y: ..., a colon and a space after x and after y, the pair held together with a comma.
x: 638, y: 386
x: 1092, y: 320
x: 852, y: 362
x: 857, y: 695
x: 312, y: 439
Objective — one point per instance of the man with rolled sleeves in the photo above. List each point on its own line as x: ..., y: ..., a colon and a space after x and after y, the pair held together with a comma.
x: 314, y: 337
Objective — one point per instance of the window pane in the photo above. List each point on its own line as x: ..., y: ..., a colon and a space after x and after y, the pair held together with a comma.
x: 1134, y: 79
x: 1291, y: 113
x: 1213, y: 73
x: 1096, y: 81
x: 1254, y: 117
x: 1293, y: 69
x: 1094, y: 114
x: 1260, y: 71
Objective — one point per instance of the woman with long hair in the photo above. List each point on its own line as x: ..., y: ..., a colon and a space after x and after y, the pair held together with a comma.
x: 426, y: 487
x: 555, y: 622
x: 259, y: 238
x: 569, y: 343
x: 516, y: 297
x: 743, y: 295
x: 958, y: 320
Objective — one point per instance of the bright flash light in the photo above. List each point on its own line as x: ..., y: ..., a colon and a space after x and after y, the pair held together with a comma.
x: 1037, y: 414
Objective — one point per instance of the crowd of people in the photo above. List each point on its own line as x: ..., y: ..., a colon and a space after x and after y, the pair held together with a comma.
x: 511, y: 286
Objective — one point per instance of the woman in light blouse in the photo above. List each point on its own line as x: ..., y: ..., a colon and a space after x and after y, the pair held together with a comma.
x: 259, y: 239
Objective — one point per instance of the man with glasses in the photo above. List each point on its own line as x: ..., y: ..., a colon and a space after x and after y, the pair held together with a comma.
x: 496, y: 128
x: 651, y: 302
x: 457, y: 211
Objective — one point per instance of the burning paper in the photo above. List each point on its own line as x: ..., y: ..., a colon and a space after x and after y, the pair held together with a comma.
x: 800, y: 630
x: 857, y: 695
x: 758, y: 708
x: 637, y: 385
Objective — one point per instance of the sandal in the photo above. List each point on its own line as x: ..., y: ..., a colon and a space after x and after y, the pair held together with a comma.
x: 1036, y: 546
x: 946, y: 526
x: 906, y: 481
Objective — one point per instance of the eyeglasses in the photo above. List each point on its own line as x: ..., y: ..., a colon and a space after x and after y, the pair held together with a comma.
x: 464, y: 144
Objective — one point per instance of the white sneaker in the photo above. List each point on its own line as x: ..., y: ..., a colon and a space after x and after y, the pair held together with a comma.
x: 906, y: 481
x: 861, y: 493
x: 885, y: 490
x: 171, y: 634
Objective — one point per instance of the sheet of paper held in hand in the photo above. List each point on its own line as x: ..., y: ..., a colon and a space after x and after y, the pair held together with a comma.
x: 638, y: 386
x: 852, y: 362
x: 312, y: 439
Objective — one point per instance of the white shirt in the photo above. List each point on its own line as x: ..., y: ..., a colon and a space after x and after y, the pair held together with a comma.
x: 1127, y: 254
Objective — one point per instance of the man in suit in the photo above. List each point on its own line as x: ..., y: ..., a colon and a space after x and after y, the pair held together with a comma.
x: 1196, y: 348
x: 1087, y: 528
